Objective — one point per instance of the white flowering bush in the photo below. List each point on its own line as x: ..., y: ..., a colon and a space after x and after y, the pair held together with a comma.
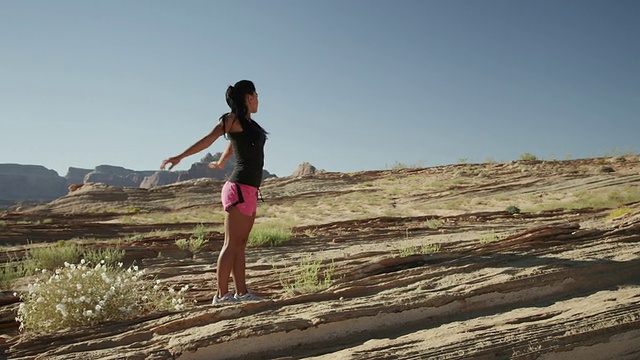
x: 84, y: 294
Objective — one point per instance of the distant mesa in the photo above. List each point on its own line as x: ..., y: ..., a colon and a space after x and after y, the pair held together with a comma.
x: 76, y: 175
x: 33, y: 184
x: 116, y: 176
x: 30, y: 182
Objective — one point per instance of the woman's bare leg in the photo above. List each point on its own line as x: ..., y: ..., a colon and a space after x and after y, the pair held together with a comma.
x: 237, y: 227
x: 239, y: 265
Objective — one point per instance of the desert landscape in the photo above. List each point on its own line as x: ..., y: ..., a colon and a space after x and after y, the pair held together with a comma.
x: 506, y: 260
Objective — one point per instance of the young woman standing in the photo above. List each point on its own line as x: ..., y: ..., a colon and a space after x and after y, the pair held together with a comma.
x: 240, y: 193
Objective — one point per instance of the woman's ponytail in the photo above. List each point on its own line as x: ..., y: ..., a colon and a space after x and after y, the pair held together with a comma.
x: 230, y: 98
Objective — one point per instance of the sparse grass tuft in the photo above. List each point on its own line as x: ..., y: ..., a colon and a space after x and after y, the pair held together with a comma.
x: 193, y: 245
x: 200, y: 232
x: 51, y: 257
x: 8, y: 273
x: 196, y: 242
x: 14, y: 269
x: 401, y: 166
x: 134, y: 238
x: 434, y: 224
x: 618, y: 212
x: 128, y: 220
x: 621, y: 152
x: 528, y: 157
x: 490, y: 237
x: 158, y: 233
x: 109, y: 256
x: 268, y: 236
x: 609, y: 199
x: 424, y: 249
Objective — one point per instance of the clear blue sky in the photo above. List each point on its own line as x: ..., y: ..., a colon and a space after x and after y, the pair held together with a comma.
x: 345, y: 85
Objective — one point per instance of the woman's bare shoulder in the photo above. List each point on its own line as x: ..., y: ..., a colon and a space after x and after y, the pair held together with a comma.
x: 230, y: 117
x: 228, y: 120
x: 231, y: 124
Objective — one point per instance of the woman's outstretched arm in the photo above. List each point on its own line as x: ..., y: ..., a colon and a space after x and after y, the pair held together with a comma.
x: 200, y: 145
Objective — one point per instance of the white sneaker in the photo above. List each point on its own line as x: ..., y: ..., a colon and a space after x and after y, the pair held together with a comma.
x: 227, y: 298
x: 247, y: 297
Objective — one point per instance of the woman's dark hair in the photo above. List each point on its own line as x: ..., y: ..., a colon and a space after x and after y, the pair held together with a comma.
x: 235, y: 97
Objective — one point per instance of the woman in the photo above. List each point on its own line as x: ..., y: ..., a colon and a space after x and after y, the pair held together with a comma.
x: 240, y: 193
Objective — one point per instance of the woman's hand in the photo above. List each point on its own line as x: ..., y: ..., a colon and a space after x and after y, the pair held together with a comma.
x: 172, y: 160
x: 217, y: 164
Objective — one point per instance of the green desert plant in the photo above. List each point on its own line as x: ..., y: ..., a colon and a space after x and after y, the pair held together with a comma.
x: 512, y: 209
x: 192, y: 245
x: 309, y: 276
x: 200, y: 232
x: 618, y: 212
x: 51, y: 257
x: 109, y: 256
x: 398, y: 166
x: 434, y: 224
x: 196, y: 242
x: 528, y: 157
x: 83, y: 294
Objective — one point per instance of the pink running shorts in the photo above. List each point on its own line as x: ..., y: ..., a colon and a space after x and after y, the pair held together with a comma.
x: 244, y: 197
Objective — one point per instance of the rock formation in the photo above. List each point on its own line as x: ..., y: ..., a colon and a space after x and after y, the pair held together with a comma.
x: 76, y: 175
x: 446, y: 272
x: 33, y: 184
x: 116, y: 176
x: 197, y: 170
x: 305, y: 169
x: 160, y: 178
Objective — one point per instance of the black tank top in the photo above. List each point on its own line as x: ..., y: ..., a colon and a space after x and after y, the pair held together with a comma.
x: 249, y: 155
